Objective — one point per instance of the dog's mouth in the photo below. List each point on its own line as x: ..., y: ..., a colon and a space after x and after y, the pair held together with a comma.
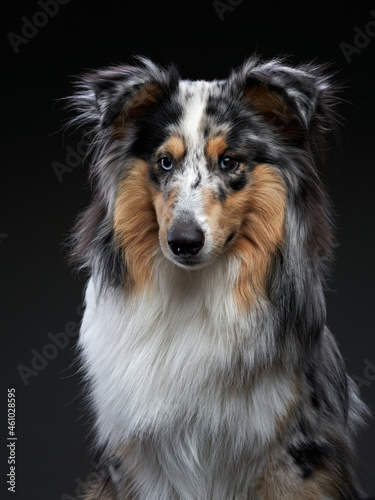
x: 188, y: 262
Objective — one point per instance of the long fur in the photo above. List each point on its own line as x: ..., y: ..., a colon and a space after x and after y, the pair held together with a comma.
x: 211, y: 373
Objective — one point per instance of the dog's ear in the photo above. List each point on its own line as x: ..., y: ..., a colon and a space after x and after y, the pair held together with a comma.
x: 296, y: 101
x: 114, y: 96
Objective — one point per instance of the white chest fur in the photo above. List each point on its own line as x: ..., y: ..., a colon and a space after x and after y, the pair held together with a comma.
x: 175, y: 363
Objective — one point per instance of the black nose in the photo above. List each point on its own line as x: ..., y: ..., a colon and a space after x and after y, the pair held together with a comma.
x: 185, y: 240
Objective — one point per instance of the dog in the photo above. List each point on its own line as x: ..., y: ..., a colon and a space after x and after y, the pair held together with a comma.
x: 210, y: 371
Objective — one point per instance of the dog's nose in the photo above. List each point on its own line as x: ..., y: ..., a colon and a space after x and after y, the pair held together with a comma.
x: 185, y: 240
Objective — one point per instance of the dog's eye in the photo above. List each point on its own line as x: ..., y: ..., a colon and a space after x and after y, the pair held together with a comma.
x: 228, y: 164
x: 166, y: 163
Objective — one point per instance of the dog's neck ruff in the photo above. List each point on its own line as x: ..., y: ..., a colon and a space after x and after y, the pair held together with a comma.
x: 164, y: 359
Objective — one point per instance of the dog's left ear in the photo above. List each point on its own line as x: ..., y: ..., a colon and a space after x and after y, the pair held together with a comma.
x: 295, y: 101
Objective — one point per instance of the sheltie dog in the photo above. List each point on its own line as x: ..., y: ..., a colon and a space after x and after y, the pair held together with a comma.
x: 210, y: 371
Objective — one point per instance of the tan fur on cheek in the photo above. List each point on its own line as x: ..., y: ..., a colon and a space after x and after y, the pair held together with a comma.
x: 261, y: 232
x: 135, y: 224
x: 255, y: 214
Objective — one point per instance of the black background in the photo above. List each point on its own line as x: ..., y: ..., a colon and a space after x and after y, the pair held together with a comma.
x: 40, y: 294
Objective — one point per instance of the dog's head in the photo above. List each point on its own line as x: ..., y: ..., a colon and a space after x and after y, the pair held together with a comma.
x: 198, y: 171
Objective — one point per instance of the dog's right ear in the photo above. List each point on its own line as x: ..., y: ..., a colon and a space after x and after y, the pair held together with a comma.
x: 114, y: 96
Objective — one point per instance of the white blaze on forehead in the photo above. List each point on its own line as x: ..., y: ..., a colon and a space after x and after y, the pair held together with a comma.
x: 191, y: 123
x: 189, y: 204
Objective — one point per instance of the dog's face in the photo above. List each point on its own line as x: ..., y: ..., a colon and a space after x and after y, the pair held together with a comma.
x: 197, y: 171
x: 202, y: 180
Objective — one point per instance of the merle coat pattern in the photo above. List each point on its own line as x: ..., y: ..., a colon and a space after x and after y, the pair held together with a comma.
x: 210, y: 371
